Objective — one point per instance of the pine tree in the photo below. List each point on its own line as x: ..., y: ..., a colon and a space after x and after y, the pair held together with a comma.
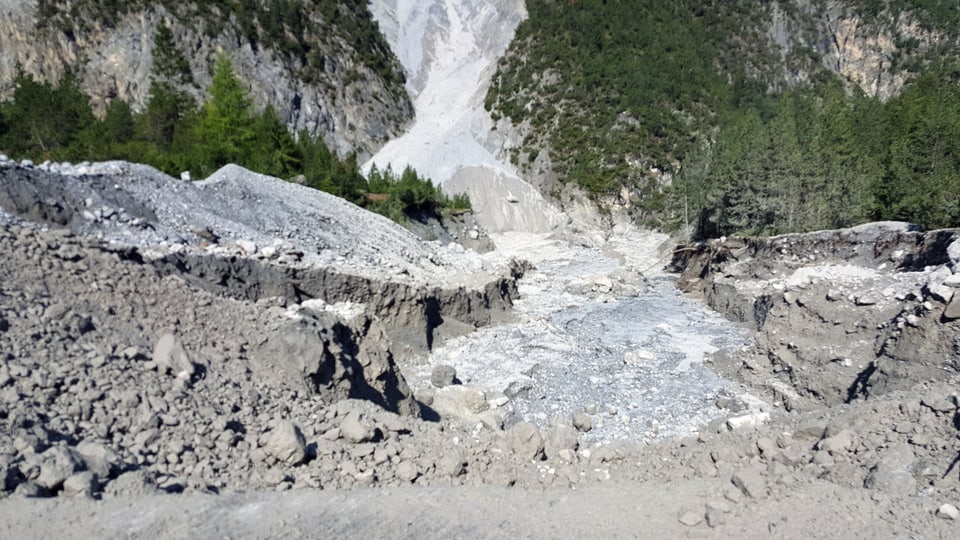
x: 226, y: 125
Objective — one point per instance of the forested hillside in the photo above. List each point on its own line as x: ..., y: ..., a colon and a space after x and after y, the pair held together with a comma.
x: 744, y: 116
x: 45, y: 121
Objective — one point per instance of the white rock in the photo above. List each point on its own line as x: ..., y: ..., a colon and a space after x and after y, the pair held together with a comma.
x: 247, y: 246
x: 747, y: 421
x: 948, y: 511
x: 953, y: 251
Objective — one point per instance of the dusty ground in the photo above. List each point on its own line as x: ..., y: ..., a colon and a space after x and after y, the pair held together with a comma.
x: 150, y: 391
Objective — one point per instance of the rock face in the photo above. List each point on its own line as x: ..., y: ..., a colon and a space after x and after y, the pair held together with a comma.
x: 841, y: 315
x: 351, y: 106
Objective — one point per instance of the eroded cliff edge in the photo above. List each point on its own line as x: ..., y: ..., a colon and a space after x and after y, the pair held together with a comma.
x: 839, y: 315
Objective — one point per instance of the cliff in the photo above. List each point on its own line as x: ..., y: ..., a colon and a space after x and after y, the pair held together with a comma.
x: 323, y: 67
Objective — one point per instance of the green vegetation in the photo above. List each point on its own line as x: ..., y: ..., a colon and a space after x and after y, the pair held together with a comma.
x: 617, y: 88
x: 44, y: 121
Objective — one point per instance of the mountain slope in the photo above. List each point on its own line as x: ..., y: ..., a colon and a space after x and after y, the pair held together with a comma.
x: 322, y: 65
x: 640, y: 94
x: 449, y: 51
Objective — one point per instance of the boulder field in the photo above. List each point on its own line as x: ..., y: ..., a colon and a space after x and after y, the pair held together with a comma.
x: 174, y: 363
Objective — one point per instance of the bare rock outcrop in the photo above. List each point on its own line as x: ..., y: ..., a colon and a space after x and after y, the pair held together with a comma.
x: 351, y: 106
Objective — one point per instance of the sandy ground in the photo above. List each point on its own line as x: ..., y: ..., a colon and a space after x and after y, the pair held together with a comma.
x: 632, y: 510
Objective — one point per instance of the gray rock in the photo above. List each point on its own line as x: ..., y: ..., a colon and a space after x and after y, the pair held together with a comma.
x: 133, y: 484
x: 560, y: 437
x: 452, y: 464
x: 953, y: 251
x: 356, y: 428
x: 690, y: 518
x: 59, y: 463
x: 460, y: 401
x: 582, y: 422
x: 751, y: 481
x: 892, y: 473
x: 287, y: 444
x: 841, y: 442
x: 948, y: 511
x: 83, y: 483
x: 170, y: 357
x: 941, y: 398
x: 952, y: 311
x: 407, y: 471
x: 98, y: 458
x: 526, y: 441
x: 442, y: 376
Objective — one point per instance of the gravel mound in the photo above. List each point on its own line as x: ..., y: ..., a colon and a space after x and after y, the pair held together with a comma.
x: 233, y: 210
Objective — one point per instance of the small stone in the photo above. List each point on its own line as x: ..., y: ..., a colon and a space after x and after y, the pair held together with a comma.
x: 841, y: 442
x: 84, y: 483
x: 582, y: 422
x: 286, y: 443
x: 952, y: 311
x: 98, y: 458
x: 747, y: 421
x: 407, y: 471
x: 526, y: 441
x: 442, y: 376
x: 948, y: 511
x: 59, y: 463
x: 940, y: 398
x: 690, y: 518
x: 560, y: 437
x: 170, y: 356
x: 715, y: 519
x: 356, y: 429
x: 452, y: 465
x: 751, y: 481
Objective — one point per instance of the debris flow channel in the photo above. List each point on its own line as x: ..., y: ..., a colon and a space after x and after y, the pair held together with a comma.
x: 630, y: 355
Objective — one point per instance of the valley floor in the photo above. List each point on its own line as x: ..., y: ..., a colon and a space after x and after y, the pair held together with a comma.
x: 247, y: 423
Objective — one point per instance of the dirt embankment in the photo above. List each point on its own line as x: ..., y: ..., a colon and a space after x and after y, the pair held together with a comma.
x: 840, y: 315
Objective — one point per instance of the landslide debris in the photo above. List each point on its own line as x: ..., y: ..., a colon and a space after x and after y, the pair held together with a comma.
x: 132, y: 370
x: 840, y: 315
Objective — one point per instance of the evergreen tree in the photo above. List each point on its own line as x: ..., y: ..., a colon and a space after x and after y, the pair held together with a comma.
x: 43, y: 118
x: 226, y: 125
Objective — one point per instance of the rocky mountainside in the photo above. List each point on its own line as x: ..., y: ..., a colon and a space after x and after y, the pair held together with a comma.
x: 323, y: 66
x: 664, y: 109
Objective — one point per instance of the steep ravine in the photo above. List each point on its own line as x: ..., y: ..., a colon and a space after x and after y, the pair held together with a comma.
x: 449, y: 51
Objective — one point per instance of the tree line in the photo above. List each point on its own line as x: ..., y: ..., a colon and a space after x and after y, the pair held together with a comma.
x: 55, y: 121
x: 805, y: 161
